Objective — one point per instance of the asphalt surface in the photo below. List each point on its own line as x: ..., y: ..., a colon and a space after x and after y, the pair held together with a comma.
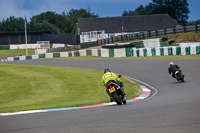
x: 175, y: 108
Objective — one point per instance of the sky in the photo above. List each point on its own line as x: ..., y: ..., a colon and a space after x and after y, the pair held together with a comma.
x: 104, y: 8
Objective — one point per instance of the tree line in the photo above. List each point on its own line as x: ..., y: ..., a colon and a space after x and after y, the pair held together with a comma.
x: 177, y: 9
x: 48, y: 21
x: 67, y: 22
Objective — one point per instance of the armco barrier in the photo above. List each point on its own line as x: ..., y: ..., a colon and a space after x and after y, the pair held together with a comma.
x: 116, y: 53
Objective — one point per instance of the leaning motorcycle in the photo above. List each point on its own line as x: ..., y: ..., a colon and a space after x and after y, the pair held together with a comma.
x: 116, y: 93
x: 179, y: 76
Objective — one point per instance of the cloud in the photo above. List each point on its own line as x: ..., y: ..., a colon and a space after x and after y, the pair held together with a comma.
x: 29, y: 8
x: 12, y: 8
x: 20, y: 8
x: 105, y: 8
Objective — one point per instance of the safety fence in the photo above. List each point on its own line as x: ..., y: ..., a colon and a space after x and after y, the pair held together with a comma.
x: 142, y: 52
x: 57, y: 47
x: 32, y: 37
x: 19, y: 46
x: 117, y: 53
x: 149, y: 34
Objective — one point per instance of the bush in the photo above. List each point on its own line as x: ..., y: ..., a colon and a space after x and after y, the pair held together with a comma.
x: 164, y: 39
x: 171, y: 41
x: 138, y: 44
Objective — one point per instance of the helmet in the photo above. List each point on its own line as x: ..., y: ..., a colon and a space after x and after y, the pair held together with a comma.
x: 171, y: 63
x: 106, y: 70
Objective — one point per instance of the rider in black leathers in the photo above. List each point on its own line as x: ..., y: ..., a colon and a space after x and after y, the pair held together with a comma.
x: 173, y: 68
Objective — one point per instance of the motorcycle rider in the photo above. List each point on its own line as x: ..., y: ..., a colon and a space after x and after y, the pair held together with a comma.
x: 112, y: 77
x: 173, y: 68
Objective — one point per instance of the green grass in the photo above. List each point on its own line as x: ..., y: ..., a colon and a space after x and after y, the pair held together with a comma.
x: 27, y: 87
x: 16, y: 52
x: 185, y: 37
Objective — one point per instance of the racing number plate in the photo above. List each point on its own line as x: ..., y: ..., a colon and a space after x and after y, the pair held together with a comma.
x: 111, y: 90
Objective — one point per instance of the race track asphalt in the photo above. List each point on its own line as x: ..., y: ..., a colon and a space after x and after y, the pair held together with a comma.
x: 175, y: 108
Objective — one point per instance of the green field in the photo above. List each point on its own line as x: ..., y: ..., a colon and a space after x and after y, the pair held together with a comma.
x: 28, y: 87
x: 16, y: 52
x: 185, y: 37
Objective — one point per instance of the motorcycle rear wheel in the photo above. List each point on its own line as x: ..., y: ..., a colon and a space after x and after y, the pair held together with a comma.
x: 181, y: 77
x: 117, y: 99
x: 124, y: 101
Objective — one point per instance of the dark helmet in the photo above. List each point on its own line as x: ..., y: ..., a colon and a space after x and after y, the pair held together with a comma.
x: 106, y: 70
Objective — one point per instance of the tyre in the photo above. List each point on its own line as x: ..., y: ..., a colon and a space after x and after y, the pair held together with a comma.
x: 124, y: 101
x: 183, y: 78
x: 117, y: 99
x: 179, y: 77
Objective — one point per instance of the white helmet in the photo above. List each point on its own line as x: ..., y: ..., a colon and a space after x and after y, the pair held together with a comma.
x: 171, y: 63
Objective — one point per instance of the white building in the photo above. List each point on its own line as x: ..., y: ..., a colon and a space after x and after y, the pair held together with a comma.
x: 92, y: 29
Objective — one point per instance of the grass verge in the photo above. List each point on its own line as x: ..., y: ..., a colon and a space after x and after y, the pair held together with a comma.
x: 28, y: 87
x: 15, y: 52
x: 185, y: 37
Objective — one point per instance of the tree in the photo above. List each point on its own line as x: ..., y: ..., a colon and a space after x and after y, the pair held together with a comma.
x: 194, y: 22
x: 141, y: 10
x: 56, y: 22
x: 12, y: 24
x: 48, y: 21
x: 73, y: 16
x: 43, y: 26
x: 62, y: 23
x: 177, y: 9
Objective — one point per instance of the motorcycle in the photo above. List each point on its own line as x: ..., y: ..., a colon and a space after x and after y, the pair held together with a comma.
x: 179, y: 76
x: 115, y: 92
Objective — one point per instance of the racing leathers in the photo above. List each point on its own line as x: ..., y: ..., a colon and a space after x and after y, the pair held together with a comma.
x: 173, y: 68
